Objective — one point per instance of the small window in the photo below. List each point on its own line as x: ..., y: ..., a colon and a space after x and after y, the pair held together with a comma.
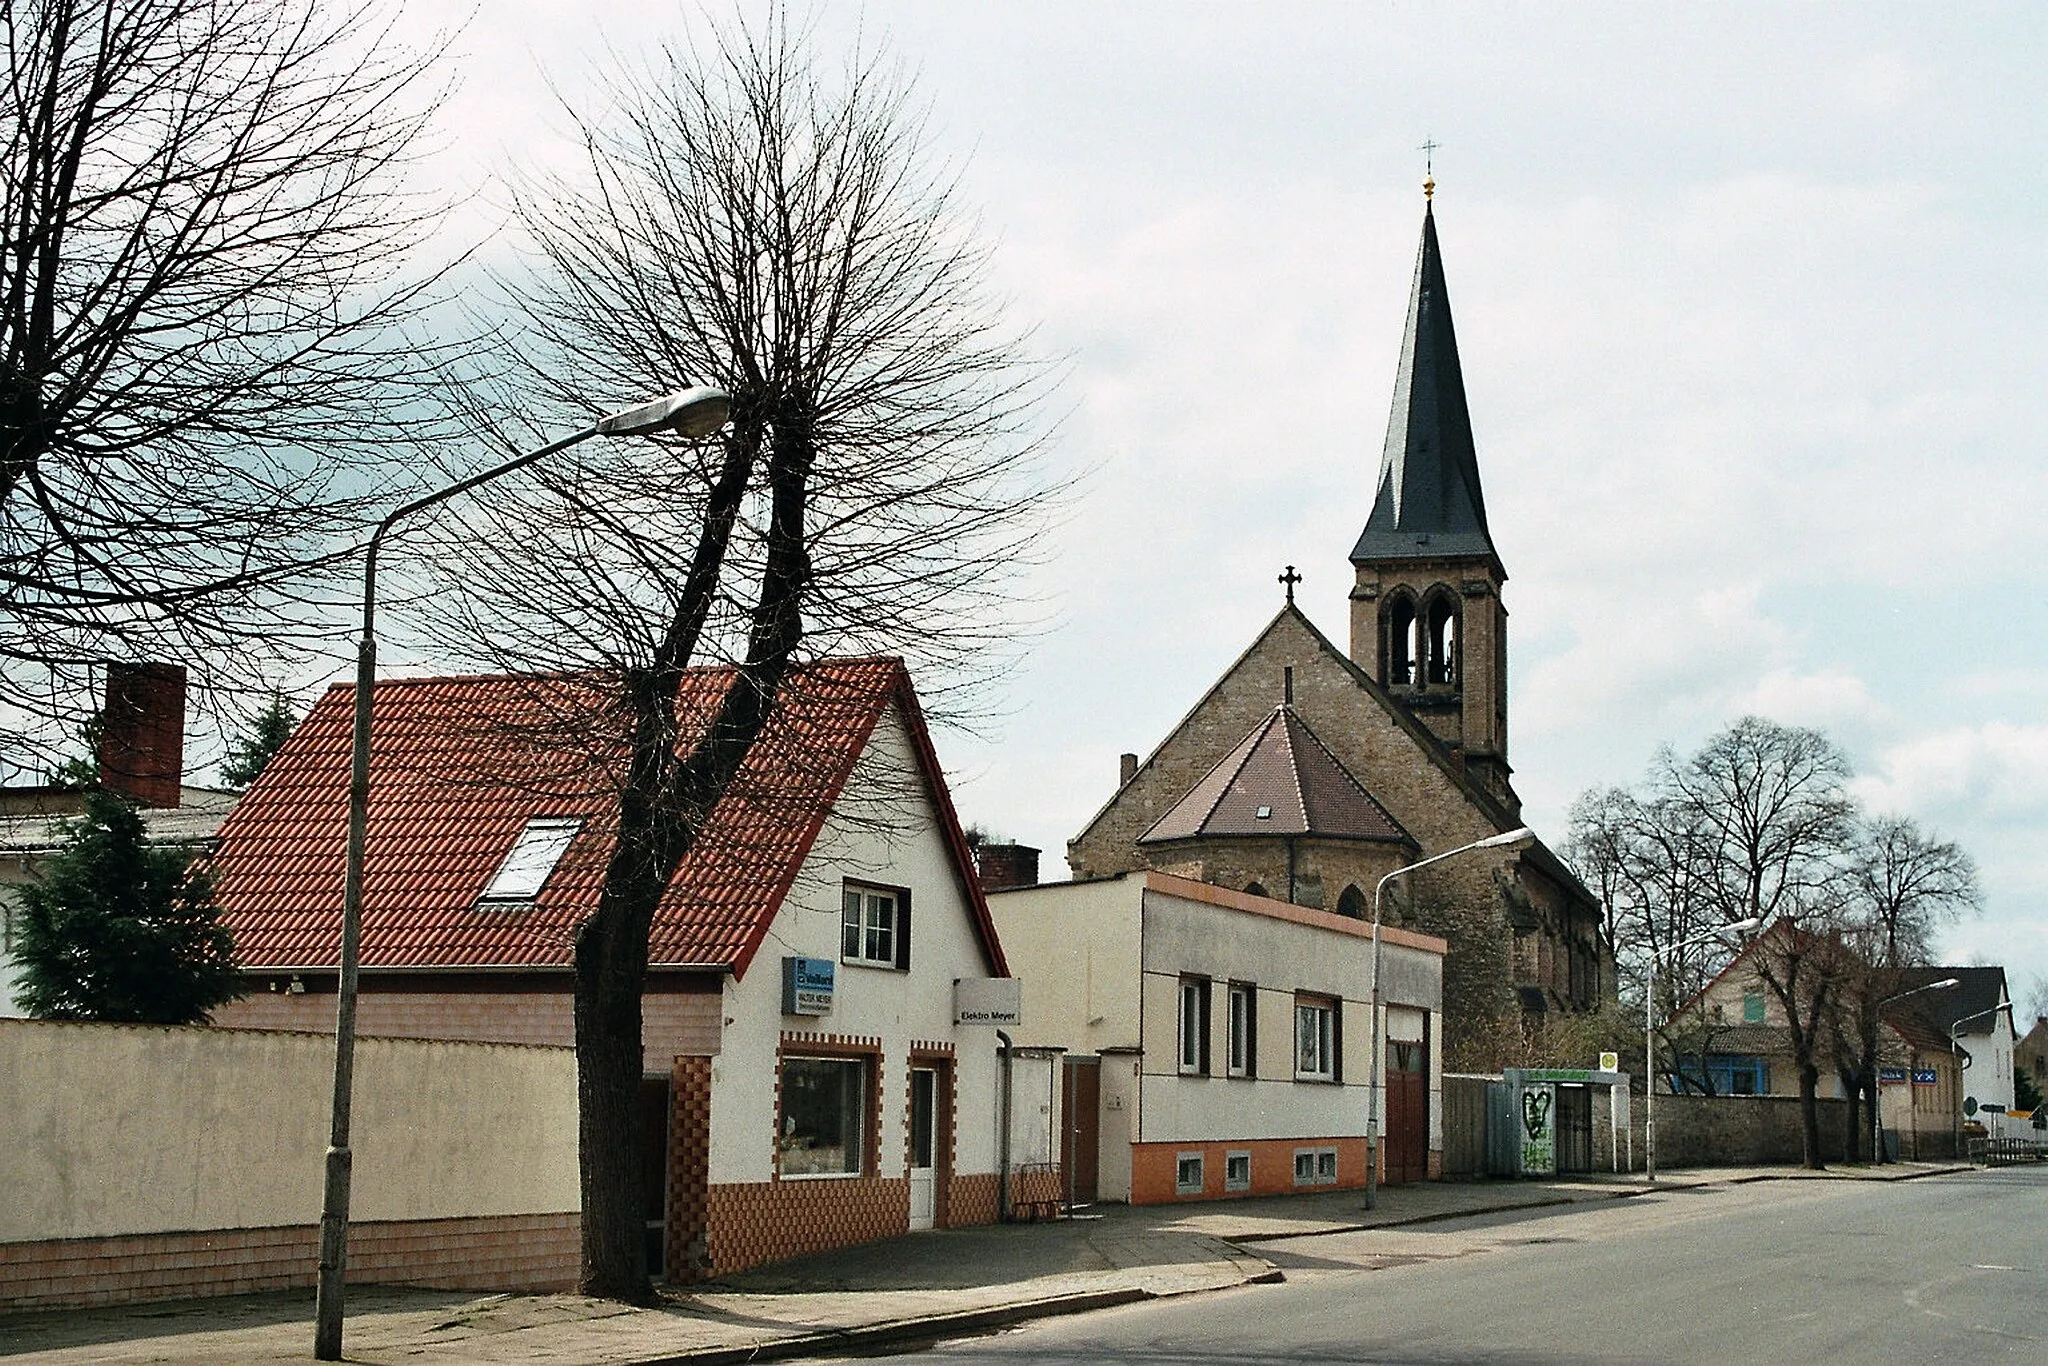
x: 1753, y: 1005
x: 1244, y: 1029
x: 1237, y: 1171
x: 1254, y: 889
x: 1315, y: 1039
x: 535, y: 853
x: 1264, y: 813
x: 824, y: 1116
x: 874, y: 926
x: 1315, y: 1166
x: 1351, y: 903
x: 1187, y: 1174
x: 1194, y: 1026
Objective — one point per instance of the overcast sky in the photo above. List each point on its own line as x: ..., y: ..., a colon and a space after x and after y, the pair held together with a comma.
x: 1749, y: 301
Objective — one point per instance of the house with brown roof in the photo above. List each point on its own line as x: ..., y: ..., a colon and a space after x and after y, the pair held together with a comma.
x: 809, y: 1080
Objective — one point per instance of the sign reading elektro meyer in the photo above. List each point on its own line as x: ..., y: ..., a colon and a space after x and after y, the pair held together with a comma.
x: 988, y: 1000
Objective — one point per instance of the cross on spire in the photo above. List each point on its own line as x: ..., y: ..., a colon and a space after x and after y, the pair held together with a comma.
x: 1290, y: 578
x: 1428, y: 150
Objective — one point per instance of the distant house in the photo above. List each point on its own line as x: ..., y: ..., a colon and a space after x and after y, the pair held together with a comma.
x: 141, y: 755
x: 1218, y: 1042
x: 807, y: 1084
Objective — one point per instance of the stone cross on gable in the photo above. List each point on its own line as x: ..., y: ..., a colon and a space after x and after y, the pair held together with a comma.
x: 1290, y: 578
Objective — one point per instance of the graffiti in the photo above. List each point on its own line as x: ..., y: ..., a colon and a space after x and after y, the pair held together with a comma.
x: 1536, y: 1111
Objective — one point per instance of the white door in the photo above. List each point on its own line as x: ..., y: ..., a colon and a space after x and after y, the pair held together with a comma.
x: 924, y: 1093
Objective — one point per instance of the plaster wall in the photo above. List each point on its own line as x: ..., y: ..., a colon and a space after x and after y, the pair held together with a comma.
x: 1075, y: 945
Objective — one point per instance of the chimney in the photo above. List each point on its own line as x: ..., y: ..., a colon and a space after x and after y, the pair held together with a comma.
x: 1007, y: 865
x: 142, y: 737
x: 1127, y: 768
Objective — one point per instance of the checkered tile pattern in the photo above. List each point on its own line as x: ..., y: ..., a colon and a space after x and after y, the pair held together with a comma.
x: 771, y: 1221
x: 689, y: 1172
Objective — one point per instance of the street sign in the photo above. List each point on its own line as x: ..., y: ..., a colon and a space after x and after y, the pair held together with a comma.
x: 1969, y: 1105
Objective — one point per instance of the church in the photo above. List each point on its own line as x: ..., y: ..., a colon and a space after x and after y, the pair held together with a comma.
x: 1306, y: 773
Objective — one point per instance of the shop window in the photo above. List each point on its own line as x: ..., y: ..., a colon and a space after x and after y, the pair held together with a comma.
x: 1194, y: 1026
x: 533, y: 856
x: 874, y: 926
x: 1237, y: 1171
x: 824, y: 1116
x: 1187, y: 1174
x: 1244, y: 1029
x: 1315, y: 1038
x: 1315, y: 1166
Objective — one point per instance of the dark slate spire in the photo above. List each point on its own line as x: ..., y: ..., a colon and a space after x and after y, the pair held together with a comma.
x: 1428, y: 502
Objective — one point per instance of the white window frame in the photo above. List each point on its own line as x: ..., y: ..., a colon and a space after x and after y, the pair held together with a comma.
x: 1232, y: 1160
x: 1193, y: 1054
x: 864, y: 928
x: 1181, y: 1164
x: 1315, y: 1166
x: 853, y: 1147
x: 530, y: 861
x: 1315, y: 1038
x: 1242, y: 1008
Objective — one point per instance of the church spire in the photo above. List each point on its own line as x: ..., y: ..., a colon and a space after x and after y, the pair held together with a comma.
x: 1428, y: 504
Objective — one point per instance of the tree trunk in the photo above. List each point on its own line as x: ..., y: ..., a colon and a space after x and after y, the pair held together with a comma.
x: 1809, y: 1114
x: 610, y: 973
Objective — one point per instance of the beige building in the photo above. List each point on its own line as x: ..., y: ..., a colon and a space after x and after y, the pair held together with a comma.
x: 1307, y: 774
x: 1217, y: 1041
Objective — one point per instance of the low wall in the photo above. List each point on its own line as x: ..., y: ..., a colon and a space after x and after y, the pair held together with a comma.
x: 1727, y: 1131
x: 142, y: 1162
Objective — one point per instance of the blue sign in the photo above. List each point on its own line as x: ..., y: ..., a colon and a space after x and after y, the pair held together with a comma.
x: 1923, y: 1076
x: 1891, y: 1074
x: 807, y: 986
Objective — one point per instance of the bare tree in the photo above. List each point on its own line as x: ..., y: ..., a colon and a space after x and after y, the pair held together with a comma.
x: 202, y: 364
x: 1905, y: 884
x: 743, y: 223
x: 1769, y: 804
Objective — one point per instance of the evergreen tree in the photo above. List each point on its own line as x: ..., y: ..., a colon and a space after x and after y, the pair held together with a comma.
x: 268, y: 730
x: 119, y: 930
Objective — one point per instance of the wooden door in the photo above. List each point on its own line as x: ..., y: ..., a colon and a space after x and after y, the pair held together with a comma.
x: 1080, y: 1134
x: 1407, y: 1113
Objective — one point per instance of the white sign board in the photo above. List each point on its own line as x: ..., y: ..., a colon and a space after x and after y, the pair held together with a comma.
x: 988, y: 1000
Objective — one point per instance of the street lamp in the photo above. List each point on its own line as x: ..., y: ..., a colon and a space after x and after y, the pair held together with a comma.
x: 1877, y: 1082
x: 693, y: 412
x: 1957, y: 1053
x: 1523, y: 835
x: 1649, y: 1036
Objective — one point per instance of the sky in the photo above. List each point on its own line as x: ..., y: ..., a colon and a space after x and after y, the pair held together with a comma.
x: 1749, y: 300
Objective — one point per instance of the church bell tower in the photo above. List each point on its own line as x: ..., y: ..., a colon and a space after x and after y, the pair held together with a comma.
x: 1426, y: 615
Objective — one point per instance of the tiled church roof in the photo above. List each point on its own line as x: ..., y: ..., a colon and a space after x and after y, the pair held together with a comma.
x: 1284, y: 771
x: 461, y: 765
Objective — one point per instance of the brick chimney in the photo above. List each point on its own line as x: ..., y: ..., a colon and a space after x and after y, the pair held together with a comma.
x: 142, y: 742
x: 1004, y: 866
x: 1126, y: 768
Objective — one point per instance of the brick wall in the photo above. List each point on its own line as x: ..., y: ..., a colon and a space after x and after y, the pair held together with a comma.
x: 1726, y: 1131
x: 509, y: 1252
x: 753, y: 1223
x: 972, y: 1200
x: 1154, y: 1167
x: 689, y: 1171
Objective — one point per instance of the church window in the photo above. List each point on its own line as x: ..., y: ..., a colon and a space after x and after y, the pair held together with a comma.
x: 1254, y: 889
x: 1351, y: 902
x: 1401, y: 641
x: 1443, y: 642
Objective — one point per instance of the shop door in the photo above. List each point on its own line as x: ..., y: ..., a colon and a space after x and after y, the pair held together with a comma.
x: 924, y: 1096
x: 1407, y: 1113
x: 1080, y: 1138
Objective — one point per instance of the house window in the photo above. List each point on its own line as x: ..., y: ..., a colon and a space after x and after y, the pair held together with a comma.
x: 1315, y: 1039
x: 874, y: 926
x: 1187, y: 1174
x: 1237, y: 1171
x: 824, y: 1116
x: 1244, y: 1029
x: 1194, y: 1026
x: 1753, y: 1005
x: 534, y: 854
x: 1315, y: 1166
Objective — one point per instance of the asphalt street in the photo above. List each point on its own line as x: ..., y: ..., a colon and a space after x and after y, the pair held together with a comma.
x: 1950, y: 1268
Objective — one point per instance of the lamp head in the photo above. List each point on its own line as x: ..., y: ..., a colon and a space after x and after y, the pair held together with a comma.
x: 1512, y: 838
x: 697, y: 411
x: 1743, y: 926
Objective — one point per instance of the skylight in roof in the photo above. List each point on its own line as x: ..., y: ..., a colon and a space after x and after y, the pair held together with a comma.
x: 539, y: 848
x: 1264, y: 813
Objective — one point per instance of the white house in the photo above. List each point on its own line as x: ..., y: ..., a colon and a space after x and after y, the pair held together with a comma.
x: 808, y: 1080
x: 1217, y: 1041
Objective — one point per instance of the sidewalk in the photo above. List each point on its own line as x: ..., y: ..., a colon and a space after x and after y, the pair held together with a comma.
x: 904, y: 1290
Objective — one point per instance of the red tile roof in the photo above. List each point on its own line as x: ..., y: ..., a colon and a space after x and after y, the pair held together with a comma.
x: 459, y: 765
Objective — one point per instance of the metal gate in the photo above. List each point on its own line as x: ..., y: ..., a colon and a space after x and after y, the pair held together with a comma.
x: 1574, y: 1128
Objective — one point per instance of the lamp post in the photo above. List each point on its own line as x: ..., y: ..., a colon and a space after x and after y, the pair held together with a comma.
x: 1522, y: 835
x: 1877, y: 1082
x: 693, y: 412
x: 1650, y: 1036
x: 1958, y: 1053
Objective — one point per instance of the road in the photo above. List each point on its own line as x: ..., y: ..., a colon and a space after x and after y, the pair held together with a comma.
x: 1951, y: 1268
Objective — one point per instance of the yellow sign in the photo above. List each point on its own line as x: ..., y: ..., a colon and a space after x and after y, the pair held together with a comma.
x: 1610, y: 1062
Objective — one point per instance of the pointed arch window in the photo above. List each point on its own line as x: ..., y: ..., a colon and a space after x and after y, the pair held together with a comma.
x: 1442, y: 638
x: 1351, y: 903
x: 1402, y: 637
